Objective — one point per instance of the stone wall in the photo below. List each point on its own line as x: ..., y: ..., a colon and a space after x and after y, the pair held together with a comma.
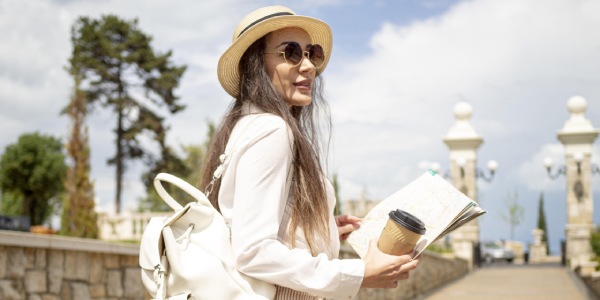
x: 46, y: 267
x: 592, y: 281
x: 43, y: 267
x: 434, y: 271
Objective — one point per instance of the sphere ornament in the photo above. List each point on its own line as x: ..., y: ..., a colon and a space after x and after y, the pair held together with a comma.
x: 577, y: 105
x: 463, y: 111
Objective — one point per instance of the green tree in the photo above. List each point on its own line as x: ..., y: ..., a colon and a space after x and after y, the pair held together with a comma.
x: 120, y: 71
x: 514, y: 212
x: 179, y: 168
x: 336, y: 188
x: 541, y: 223
x: 187, y: 169
x: 11, y: 204
x: 79, y: 218
x: 595, y: 242
x: 33, y: 172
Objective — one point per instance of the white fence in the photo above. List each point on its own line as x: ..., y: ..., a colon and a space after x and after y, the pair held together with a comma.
x: 126, y: 226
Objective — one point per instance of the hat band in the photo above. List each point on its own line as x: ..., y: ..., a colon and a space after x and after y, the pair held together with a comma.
x: 264, y: 18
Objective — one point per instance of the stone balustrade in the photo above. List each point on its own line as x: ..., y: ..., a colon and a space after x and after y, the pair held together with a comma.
x: 127, y: 226
x: 434, y: 271
x: 46, y: 267
x: 590, y: 277
x: 49, y: 267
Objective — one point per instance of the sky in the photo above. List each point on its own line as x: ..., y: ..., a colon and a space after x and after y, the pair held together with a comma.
x: 397, y: 70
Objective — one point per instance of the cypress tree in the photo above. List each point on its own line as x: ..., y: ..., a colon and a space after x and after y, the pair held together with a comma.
x: 79, y: 218
x: 542, y: 222
x: 337, y: 210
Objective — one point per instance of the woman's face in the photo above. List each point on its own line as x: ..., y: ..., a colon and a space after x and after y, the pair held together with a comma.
x: 294, y: 83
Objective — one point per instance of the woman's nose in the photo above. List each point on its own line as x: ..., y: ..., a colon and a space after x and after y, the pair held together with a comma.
x: 306, y: 64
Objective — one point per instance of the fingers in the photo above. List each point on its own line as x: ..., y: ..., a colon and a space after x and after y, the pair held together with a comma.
x: 347, y: 228
x: 409, y: 266
x: 383, y: 270
x: 346, y: 219
x: 352, y: 219
x: 403, y: 276
x: 344, y: 237
x: 393, y: 283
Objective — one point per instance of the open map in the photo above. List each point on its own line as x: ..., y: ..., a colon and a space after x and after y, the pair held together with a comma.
x: 430, y: 198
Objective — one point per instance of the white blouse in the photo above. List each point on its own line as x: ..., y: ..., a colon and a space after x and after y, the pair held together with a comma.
x: 253, y: 197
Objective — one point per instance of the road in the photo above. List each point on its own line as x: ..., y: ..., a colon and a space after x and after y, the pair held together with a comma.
x: 508, y: 282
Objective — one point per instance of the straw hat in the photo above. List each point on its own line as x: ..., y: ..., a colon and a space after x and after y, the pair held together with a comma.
x: 257, y: 24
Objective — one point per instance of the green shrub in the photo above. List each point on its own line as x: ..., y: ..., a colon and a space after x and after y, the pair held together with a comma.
x: 595, y: 241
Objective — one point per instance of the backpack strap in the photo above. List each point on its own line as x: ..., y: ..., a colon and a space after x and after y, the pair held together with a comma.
x: 224, y: 159
x: 188, y: 188
x: 226, y: 156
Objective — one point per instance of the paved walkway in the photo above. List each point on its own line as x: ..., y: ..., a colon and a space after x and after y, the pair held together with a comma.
x: 508, y: 282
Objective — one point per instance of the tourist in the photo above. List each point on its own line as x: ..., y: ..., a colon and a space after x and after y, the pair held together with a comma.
x: 273, y: 192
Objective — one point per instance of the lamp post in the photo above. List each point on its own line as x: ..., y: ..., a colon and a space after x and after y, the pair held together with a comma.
x: 577, y: 137
x: 463, y: 142
x: 491, y: 165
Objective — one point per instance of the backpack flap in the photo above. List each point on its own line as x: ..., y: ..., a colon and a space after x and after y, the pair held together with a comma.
x: 151, y: 245
x: 151, y: 248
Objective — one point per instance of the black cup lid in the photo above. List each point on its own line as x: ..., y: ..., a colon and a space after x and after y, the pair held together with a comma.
x: 407, y: 220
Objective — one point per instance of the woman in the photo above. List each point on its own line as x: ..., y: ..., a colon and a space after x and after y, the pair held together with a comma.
x: 273, y: 193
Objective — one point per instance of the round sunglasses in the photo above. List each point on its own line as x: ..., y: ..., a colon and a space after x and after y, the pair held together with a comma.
x: 293, y: 54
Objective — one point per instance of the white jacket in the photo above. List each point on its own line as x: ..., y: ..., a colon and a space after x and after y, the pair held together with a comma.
x: 253, y: 197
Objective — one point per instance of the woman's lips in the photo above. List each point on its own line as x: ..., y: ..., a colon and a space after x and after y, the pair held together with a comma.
x: 304, y: 84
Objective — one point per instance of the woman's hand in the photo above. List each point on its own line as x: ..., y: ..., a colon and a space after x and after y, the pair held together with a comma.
x: 383, y: 270
x: 346, y: 224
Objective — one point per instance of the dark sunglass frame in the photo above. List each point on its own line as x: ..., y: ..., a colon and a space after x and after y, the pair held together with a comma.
x: 293, y: 54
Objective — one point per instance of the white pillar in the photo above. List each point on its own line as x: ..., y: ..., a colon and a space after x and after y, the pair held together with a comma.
x: 463, y: 141
x: 537, y: 250
x: 577, y: 136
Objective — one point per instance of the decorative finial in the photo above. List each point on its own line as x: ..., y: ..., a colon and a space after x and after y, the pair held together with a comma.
x: 577, y: 105
x: 463, y: 111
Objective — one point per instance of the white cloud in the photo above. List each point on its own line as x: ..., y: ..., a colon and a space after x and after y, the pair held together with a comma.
x: 471, y: 51
x: 515, y: 61
x: 509, y: 59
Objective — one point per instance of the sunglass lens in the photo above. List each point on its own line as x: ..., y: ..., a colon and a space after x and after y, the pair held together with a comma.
x: 317, y: 55
x: 293, y: 53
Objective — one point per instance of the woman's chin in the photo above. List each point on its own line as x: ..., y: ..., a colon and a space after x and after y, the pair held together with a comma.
x: 300, y: 100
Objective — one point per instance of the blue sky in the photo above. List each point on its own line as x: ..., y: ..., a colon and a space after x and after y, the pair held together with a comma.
x: 398, y: 68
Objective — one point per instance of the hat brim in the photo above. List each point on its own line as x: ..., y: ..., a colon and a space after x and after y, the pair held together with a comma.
x: 228, y: 67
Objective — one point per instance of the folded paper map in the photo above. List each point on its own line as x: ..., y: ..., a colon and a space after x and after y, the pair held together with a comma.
x: 430, y: 198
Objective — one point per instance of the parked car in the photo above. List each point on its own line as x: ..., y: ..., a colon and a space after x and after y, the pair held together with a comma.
x: 491, y: 252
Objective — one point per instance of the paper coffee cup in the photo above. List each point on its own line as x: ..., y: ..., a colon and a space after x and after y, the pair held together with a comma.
x: 401, y: 233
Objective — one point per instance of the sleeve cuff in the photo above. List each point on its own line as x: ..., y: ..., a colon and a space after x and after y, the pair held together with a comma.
x: 353, y: 271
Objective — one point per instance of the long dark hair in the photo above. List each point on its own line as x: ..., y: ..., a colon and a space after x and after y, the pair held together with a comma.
x: 310, y: 210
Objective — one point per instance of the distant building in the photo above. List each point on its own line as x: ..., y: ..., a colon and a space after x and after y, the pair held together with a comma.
x: 358, y: 207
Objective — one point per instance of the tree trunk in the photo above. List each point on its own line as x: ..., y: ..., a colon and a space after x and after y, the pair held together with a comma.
x: 119, y: 156
x: 28, y: 208
x: 119, y: 161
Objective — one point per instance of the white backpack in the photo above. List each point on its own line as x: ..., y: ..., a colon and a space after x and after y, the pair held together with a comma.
x: 188, y: 255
